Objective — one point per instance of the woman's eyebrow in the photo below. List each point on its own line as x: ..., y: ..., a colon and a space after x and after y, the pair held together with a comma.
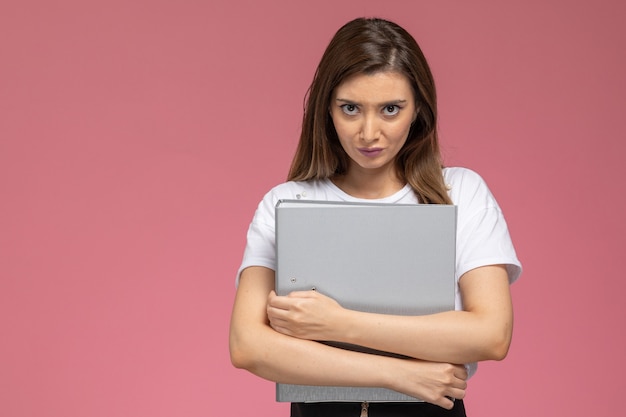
x: 386, y: 103
x: 345, y: 100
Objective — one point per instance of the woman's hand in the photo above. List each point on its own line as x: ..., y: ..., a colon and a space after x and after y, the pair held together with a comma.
x: 304, y: 314
x: 433, y: 382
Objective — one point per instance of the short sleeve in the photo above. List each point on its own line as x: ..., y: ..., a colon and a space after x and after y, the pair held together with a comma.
x: 484, y: 240
x: 482, y: 233
x: 261, y: 240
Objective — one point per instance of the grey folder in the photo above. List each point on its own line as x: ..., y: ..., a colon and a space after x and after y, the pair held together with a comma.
x: 382, y: 258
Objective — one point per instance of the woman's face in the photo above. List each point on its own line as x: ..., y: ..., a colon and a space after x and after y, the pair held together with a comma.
x: 372, y: 115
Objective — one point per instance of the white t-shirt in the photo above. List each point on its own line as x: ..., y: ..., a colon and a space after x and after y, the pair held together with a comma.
x: 482, y: 234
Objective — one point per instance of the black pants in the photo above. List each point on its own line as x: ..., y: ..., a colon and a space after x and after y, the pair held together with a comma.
x: 376, y: 410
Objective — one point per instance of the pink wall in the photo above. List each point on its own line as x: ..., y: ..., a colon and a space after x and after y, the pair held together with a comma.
x: 136, y: 138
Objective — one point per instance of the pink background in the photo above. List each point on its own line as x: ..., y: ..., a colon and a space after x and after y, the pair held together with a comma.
x: 136, y: 138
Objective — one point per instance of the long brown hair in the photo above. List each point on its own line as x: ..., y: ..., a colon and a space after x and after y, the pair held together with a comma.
x: 368, y: 46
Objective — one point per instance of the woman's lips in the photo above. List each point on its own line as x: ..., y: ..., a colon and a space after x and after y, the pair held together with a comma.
x: 370, y: 152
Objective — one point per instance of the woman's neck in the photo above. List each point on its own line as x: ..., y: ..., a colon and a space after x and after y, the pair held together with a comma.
x: 369, y: 185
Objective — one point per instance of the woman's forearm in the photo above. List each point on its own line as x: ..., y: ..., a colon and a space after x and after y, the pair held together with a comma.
x: 481, y: 332
x: 287, y: 359
x: 455, y: 337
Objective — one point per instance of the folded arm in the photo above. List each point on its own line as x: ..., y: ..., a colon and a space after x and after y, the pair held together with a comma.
x: 268, y: 353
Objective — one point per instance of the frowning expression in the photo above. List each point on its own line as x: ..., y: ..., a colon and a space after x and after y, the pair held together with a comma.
x: 372, y: 114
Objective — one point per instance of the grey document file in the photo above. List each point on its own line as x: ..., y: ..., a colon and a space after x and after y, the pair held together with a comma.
x: 381, y: 258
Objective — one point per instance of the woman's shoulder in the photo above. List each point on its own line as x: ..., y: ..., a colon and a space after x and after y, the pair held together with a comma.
x: 463, y: 178
x: 461, y: 174
x: 466, y: 185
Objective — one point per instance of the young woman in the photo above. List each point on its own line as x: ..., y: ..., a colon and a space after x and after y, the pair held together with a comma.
x: 369, y: 134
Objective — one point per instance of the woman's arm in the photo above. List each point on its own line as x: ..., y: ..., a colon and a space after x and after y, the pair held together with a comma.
x: 481, y: 332
x: 255, y: 346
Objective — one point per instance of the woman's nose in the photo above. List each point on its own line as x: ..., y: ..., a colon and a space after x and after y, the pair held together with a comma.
x: 370, y: 130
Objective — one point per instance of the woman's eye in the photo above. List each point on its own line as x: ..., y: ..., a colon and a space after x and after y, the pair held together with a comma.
x: 391, y: 110
x: 349, y: 109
